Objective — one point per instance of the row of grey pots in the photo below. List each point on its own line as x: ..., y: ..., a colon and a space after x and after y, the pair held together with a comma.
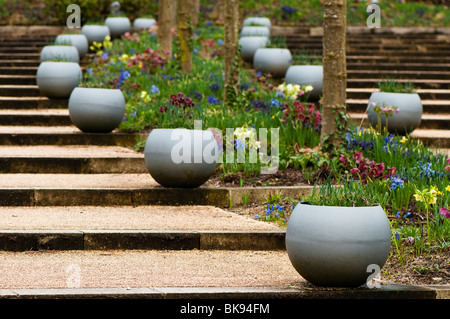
x: 115, y: 27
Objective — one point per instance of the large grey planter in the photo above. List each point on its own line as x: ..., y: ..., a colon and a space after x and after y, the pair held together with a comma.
x: 338, y: 246
x: 181, y: 158
x: 95, y: 33
x: 250, y: 31
x: 95, y: 110
x: 275, y: 61
x: 143, y: 24
x: 404, y: 122
x: 118, y: 26
x: 67, y: 53
x: 58, y: 79
x: 249, y: 45
x: 79, y: 41
x: 306, y: 75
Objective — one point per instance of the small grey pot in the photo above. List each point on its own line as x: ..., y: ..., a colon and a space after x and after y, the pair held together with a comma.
x: 65, y: 52
x: 143, y: 24
x: 409, y: 116
x: 79, y: 41
x: 96, y: 110
x: 181, y: 158
x: 257, y: 21
x: 306, y: 75
x: 250, y: 44
x: 58, y: 79
x: 275, y: 61
x: 118, y: 26
x: 250, y: 31
x: 338, y: 246
x: 95, y: 33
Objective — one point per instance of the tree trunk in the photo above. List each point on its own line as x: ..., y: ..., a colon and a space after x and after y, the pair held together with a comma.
x: 334, y: 68
x: 231, y: 27
x: 195, y: 13
x: 184, y: 29
x: 166, y: 21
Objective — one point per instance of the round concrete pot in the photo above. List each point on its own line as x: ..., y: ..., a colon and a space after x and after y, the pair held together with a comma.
x: 79, y: 41
x: 181, y: 158
x: 257, y: 21
x: 95, y: 33
x: 250, y: 31
x: 143, y: 24
x: 118, y: 26
x: 338, y: 246
x: 409, y: 116
x: 95, y: 110
x: 67, y: 53
x: 58, y: 79
x: 249, y: 45
x: 306, y: 75
x: 272, y: 60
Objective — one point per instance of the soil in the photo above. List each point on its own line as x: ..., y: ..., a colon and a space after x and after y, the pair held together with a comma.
x: 429, y: 268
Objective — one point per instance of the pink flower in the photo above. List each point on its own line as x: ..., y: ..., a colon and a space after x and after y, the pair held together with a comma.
x: 355, y: 170
x: 448, y: 160
x: 397, y: 111
x: 445, y: 212
x: 447, y: 168
x: 343, y: 159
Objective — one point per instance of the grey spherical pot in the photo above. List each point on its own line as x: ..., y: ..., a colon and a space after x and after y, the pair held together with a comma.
x: 118, y: 26
x: 58, y: 79
x: 275, y: 61
x: 404, y: 122
x: 64, y: 52
x: 250, y: 31
x: 143, y: 24
x: 79, y: 41
x: 181, y: 158
x: 96, y: 110
x: 306, y: 75
x: 257, y: 21
x: 338, y: 246
x: 249, y: 45
x: 95, y: 33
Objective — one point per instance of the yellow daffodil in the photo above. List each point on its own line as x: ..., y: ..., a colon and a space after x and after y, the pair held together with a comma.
x: 447, y: 188
x: 124, y: 57
x: 403, y: 140
x: 145, y: 96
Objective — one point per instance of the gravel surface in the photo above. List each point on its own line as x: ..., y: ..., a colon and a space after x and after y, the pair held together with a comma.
x: 142, y: 269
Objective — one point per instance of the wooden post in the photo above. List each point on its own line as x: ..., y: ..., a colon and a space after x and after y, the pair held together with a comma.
x: 231, y: 38
x: 334, y: 66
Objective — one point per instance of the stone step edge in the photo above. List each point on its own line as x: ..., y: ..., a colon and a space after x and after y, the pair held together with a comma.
x: 279, y: 299
x: 38, y: 240
x: 220, y: 197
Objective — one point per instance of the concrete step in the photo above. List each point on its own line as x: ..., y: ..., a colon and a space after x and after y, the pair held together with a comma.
x: 134, y: 227
x: 404, y: 74
x: 365, y: 83
x: 399, y: 66
x: 429, y: 106
x: 63, y: 135
x: 19, y: 63
x: 429, y: 121
x: 40, y: 117
x: 25, y: 70
x: 22, y: 56
x: 70, y: 160
x: 31, y: 102
x: 432, y: 137
x: 19, y: 50
x: 11, y: 79
x: 425, y: 94
x: 19, y: 90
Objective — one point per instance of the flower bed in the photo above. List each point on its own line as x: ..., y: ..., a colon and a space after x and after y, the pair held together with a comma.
x: 372, y: 166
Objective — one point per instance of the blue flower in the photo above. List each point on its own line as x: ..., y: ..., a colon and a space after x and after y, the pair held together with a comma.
x: 396, y: 182
x: 213, y: 100
x: 105, y: 56
x: 220, y: 42
x: 154, y: 89
x: 240, y: 144
x: 89, y: 71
